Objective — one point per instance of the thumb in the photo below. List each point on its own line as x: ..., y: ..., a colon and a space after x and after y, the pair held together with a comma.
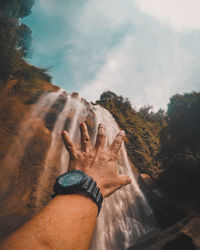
x: 124, y: 180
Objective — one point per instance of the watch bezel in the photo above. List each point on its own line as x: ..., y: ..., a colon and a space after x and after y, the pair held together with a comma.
x: 59, y: 188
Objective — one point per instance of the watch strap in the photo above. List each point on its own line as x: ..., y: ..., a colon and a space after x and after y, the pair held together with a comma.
x: 93, y: 191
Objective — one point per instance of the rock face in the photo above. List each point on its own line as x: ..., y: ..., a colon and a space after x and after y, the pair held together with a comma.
x: 171, y: 238
x: 17, y: 204
x: 179, y: 232
x: 165, y: 211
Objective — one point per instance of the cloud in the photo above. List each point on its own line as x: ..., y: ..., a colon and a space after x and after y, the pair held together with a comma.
x: 144, y: 76
x: 151, y: 63
x: 180, y: 14
x: 108, y: 78
x: 101, y: 45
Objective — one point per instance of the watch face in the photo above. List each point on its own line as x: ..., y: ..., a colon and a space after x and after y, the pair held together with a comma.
x: 72, y: 178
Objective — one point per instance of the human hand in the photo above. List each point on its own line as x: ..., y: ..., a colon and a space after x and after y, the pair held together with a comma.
x: 99, y: 161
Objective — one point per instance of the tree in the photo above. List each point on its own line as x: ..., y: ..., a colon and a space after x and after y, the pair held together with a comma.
x: 24, y: 39
x: 180, y: 147
x: 16, y: 8
x: 15, y: 38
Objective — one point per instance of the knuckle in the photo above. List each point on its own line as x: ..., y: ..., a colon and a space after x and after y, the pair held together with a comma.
x: 86, y: 139
x: 101, y: 134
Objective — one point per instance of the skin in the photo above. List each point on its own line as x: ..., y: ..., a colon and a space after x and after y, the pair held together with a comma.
x: 68, y: 221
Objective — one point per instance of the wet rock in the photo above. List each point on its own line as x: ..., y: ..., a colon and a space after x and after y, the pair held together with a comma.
x: 171, y: 238
x: 183, y: 242
x: 165, y: 211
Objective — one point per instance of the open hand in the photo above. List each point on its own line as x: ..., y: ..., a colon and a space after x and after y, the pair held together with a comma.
x: 99, y: 161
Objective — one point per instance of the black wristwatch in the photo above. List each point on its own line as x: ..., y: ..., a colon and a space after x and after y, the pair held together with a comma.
x: 76, y: 181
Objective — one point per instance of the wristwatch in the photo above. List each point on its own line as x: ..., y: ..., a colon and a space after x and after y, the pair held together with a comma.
x: 76, y: 181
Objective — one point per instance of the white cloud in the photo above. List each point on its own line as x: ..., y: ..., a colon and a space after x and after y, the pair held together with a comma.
x: 181, y: 14
x: 112, y: 45
x: 147, y: 67
x: 108, y: 78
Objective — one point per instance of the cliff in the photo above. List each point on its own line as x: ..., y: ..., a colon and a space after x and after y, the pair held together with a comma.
x: 17, y: 100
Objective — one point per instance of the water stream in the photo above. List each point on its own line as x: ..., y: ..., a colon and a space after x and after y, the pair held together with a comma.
x: 28, y: 126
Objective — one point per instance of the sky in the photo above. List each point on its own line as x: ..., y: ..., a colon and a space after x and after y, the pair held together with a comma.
x: 145, y: 50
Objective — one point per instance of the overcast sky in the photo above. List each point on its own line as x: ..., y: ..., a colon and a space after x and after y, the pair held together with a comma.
x: 146, y: 50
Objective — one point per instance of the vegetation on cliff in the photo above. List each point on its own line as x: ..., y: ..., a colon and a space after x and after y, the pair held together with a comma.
x: 15, y: 41
x: 180, y: 149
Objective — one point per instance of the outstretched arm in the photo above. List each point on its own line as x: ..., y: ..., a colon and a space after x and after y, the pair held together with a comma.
x: 68, y: 221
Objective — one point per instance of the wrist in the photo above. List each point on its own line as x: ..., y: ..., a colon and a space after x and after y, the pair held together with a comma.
x: 76, y: 182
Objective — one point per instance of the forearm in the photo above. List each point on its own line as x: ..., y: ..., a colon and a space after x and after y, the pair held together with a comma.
x: 67, y: 222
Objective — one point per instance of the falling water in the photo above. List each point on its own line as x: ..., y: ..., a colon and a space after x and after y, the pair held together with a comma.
x: 75, y: 107
x: 125, y: 215
x: 51, y: 157
x: 12, y: 159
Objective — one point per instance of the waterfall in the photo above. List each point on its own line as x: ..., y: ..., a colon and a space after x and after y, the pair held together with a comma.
x: 51, y: 156
x: 52, y: 161
x: 9, y: 165
x: 125, y: 215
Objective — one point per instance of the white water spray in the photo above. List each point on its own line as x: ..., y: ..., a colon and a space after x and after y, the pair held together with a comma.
x: 9, y: 165
x: 125, y: 215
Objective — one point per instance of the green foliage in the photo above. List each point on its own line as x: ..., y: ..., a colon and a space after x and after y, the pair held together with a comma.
x: 180, y: 147
x: 182, y: 132
x: 147, y: 113
x: 15, y: 38
x: 16, y: 8
x: 24, y: 39
x: 10, y: 57
x: 142, y: 129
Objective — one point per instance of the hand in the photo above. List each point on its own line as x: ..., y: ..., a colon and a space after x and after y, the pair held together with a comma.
x: 99, y: 162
